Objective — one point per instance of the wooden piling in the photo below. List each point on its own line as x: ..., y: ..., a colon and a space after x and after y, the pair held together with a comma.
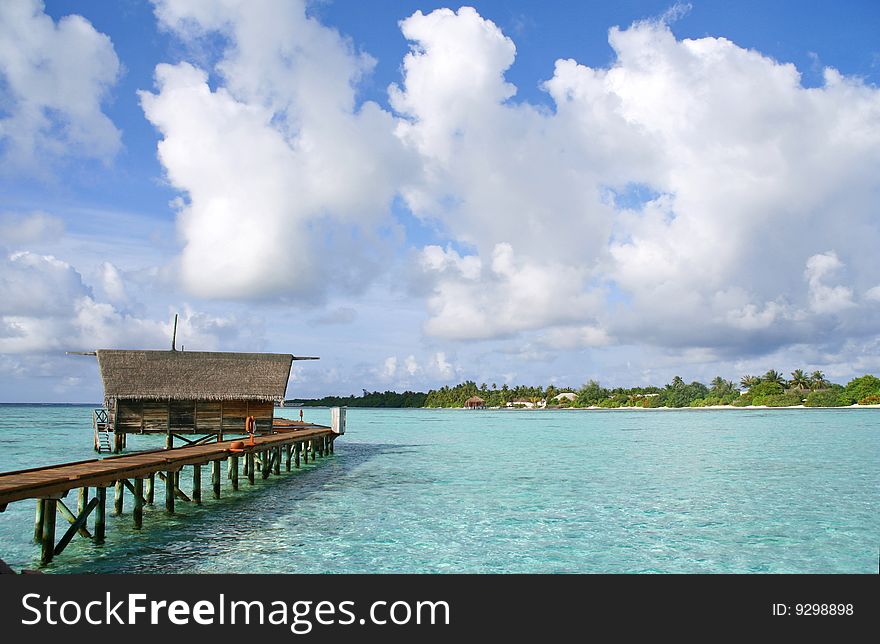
x: 138, y: 502
x: 215, y: 478
x: 169, y: 492
x: 330, y: 440
x: 118, y: 497
x: 250, y: 468
x: 151, y: 485
x: 100, y: 514
x: 288, y: 453
x: 305, y: 452
x: 233, y: 467
x: 82, y: 500
x: 197, y: 484
x: 38, y: 521
x: 296, y: 450
x: 48, y: 534
x: 266, y: 465
x: 169, y: 441
x: 277, y: 463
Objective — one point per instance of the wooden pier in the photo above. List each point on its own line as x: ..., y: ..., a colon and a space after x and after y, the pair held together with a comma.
x: 139, y: 473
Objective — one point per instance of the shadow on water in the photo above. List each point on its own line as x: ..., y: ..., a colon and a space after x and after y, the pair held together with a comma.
x: 233, y: 525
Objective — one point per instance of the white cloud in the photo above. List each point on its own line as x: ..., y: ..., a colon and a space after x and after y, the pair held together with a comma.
x: 17, y: 229
x: 46, y: 307
x: 824, y: 298
x: 33, y: 284
x: 746, y: 170
x: 443, y: 367
x: 284, y: 175
x: 411, y: 365
x: 389, y: 370
x: 671, y: 199
x: 54, y: 78
x: 112, y: 283
x: 510, y: 296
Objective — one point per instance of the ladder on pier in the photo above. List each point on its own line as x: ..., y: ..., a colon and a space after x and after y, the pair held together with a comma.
x: 101, y: 425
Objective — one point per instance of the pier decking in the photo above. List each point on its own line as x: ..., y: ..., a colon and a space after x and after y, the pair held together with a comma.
x: 290, y: 442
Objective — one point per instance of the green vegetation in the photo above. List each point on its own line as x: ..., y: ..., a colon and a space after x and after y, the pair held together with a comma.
x: 493, y: 397
x: 771, y: 390
x: 367, y: 399
x: 859, y: 389
x: 828, y: 398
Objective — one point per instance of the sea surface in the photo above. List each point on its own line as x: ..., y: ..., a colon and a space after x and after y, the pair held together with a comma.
x: 447, y: 491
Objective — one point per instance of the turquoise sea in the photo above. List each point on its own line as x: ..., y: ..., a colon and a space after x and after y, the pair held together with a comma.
x: 503, y: 491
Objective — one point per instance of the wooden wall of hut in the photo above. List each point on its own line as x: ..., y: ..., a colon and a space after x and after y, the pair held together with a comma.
x: 190, y: 416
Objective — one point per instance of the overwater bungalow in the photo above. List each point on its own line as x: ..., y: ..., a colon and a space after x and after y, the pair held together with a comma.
x: 188, y: 392
x: 474, y: 402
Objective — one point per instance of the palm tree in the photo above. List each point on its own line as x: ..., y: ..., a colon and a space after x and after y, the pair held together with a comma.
x: 799, y: 380
x: 817, y: 380
x: 749, y: 381
x: 773, y: 376
x: 677, y: 382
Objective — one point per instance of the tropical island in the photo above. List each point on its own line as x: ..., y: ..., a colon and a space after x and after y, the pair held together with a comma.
x: 770, y: 390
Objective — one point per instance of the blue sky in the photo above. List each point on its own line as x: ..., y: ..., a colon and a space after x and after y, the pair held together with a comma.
x: 520, y: 192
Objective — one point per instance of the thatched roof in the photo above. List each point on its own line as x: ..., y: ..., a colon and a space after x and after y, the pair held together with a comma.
x: 474, y: 400
x: 193, y: 375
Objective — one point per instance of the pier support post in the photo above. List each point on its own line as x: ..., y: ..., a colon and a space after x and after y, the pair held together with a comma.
x: 118, y: 497
x: 287, y: 455
x: 138, y: 503
x: 277, y: 464
x: 117, y: 442
x: 250, y: 467
x: 197, y: 484
x: 266, y: 463
x: 233, y: 471
x: 38, y: 520
x: 330, y: 441
x: 48, y: 536
x: 169, y: 492
x: 82, y: 500
x: 215, y: 478
x: 305, y: 452
x: 296, y: 449
x: 151, y: 485
x: 100, y: 514
x: 169, y: 441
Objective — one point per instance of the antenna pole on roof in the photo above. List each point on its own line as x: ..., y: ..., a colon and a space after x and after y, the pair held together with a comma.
x: 174, y: 337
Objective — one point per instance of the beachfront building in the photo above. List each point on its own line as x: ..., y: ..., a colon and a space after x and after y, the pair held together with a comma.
x: 565, y: 395
x: 189, y: 392
x: 474, y: 402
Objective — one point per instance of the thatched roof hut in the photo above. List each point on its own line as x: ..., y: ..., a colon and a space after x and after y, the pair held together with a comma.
x: 194, y: 392
x: 194, y: 375
x: 474, y: 402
